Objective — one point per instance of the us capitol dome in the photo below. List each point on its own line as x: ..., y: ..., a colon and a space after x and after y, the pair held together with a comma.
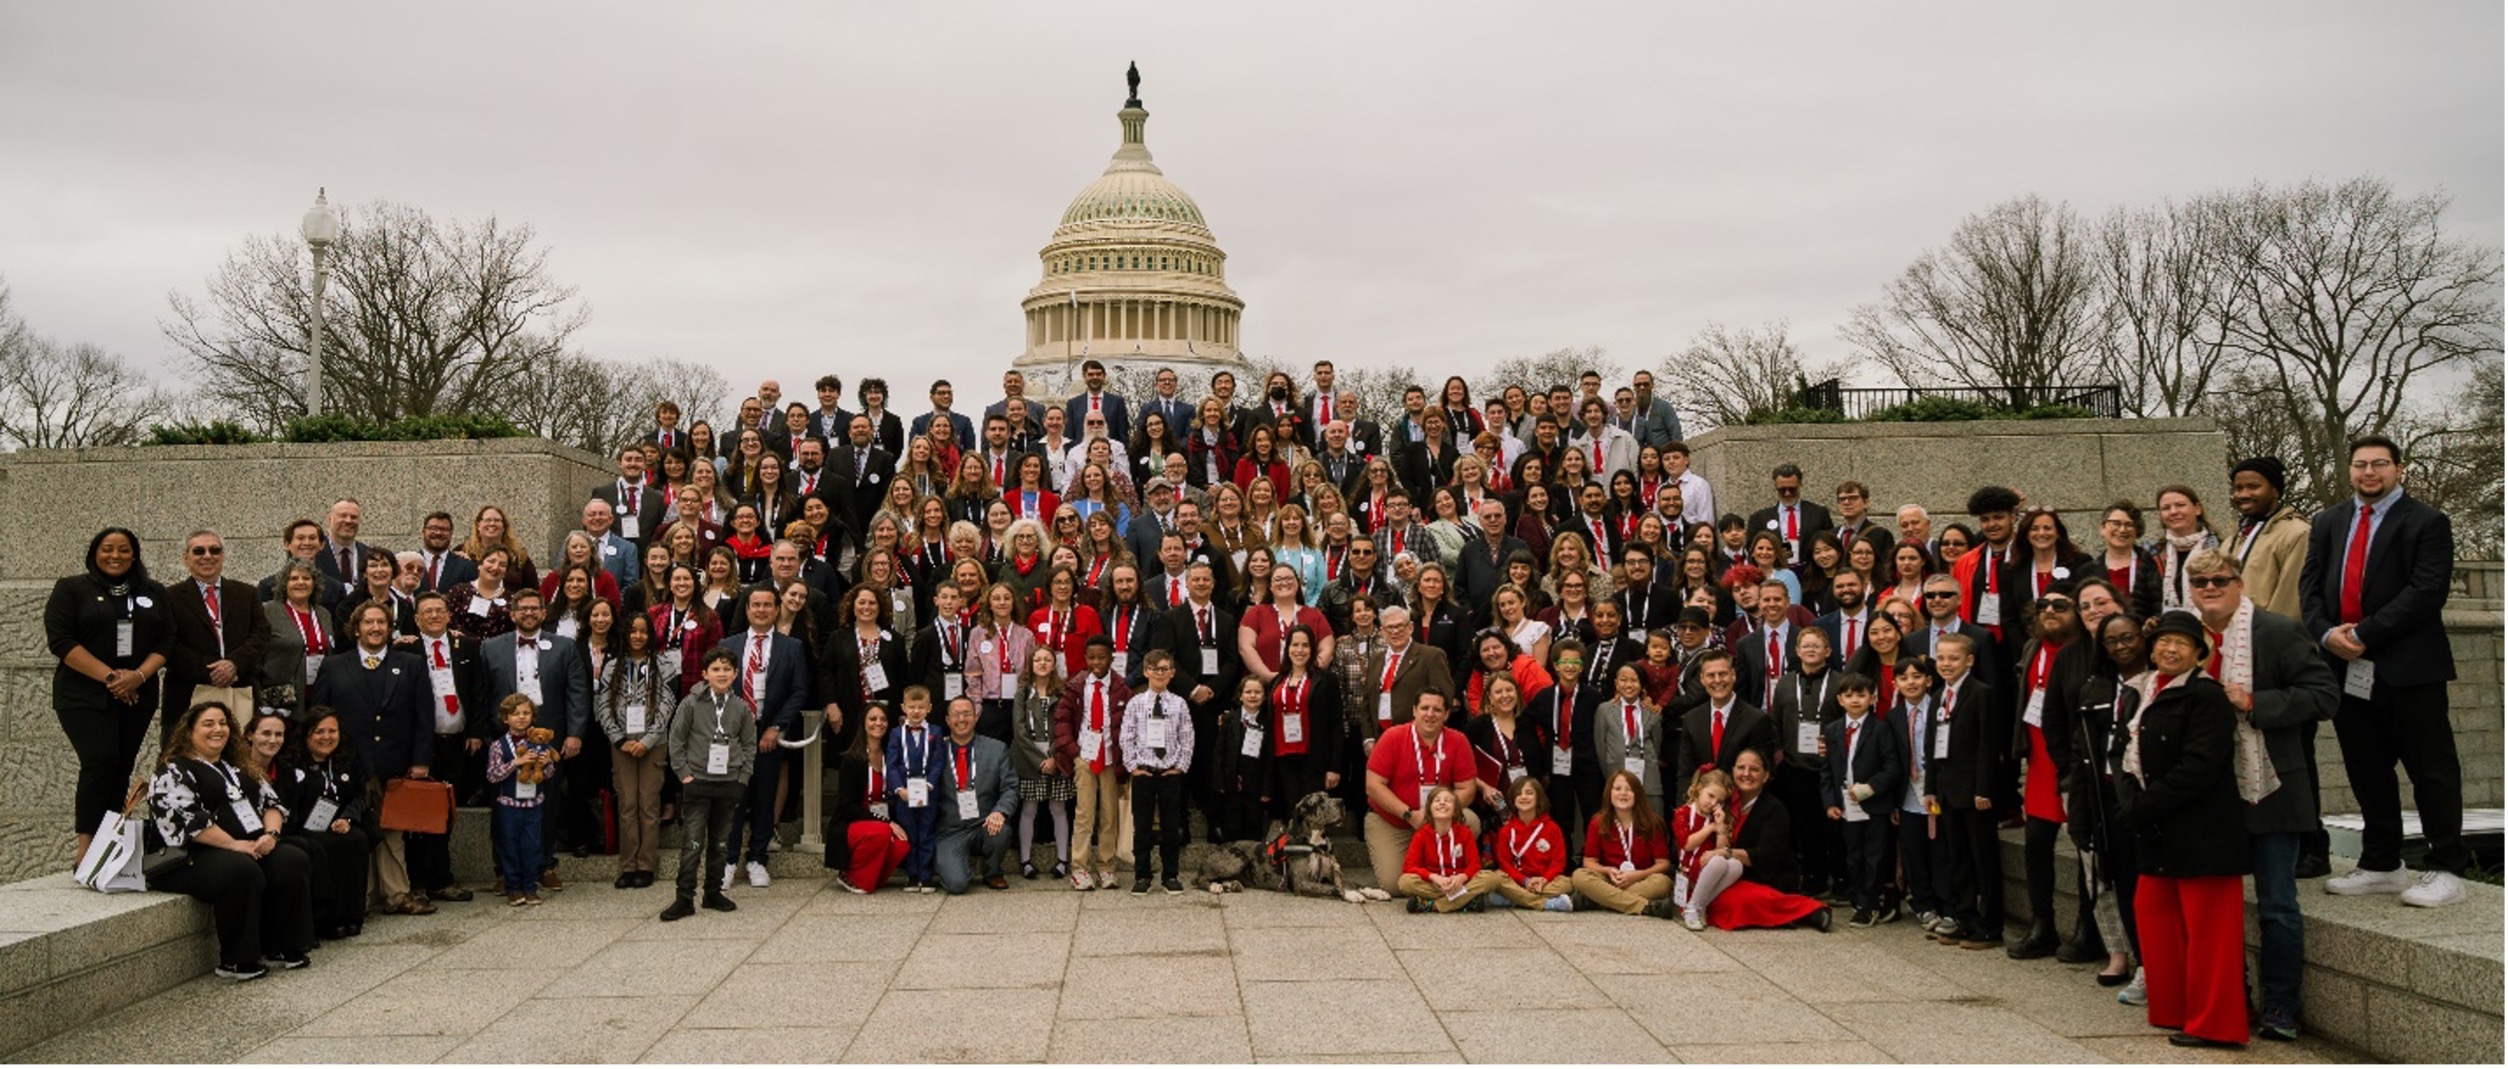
x: 1132, y: 277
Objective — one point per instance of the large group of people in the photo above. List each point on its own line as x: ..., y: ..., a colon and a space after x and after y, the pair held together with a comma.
x: 1550, y: 665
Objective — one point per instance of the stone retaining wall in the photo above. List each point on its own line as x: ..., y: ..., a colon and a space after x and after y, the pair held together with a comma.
x: 53, y: 501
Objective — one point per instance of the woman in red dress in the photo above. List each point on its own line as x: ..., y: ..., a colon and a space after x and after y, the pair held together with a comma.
x: 1763, y: 842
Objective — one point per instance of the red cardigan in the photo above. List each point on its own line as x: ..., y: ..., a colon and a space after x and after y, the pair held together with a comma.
x: 1046, y: 502
x: 1460, y: 856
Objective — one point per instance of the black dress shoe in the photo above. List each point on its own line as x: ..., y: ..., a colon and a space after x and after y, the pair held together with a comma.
x: 2314, y: 866
x: 679, y: 908
x: 2189, y: 1039
x: 624, y: 881
x: 2079, y: 953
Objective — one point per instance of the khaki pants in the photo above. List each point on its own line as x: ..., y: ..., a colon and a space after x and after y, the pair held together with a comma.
x: 391, y: 866
x: 1099, y: 819
x: 1599, y: 889
x: 1530, y: 895
x: 1481, y: 883
x: 638, y: 783
x: 1387, y: 843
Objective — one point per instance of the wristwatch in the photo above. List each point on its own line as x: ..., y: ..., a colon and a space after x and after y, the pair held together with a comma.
x: 1406, y: 816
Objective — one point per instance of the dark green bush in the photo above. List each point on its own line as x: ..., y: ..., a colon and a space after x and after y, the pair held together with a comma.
x: 337, y: 428
x: 1937, y: 410
x: 2059, y: 412
x: 1795, y: 415
x: 215, y: 432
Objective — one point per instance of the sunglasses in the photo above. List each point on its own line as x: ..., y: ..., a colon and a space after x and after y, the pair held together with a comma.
x: 1932, y: 594
x: 208, y: 551
x: 2055, y: 605
x: 2207, y: 582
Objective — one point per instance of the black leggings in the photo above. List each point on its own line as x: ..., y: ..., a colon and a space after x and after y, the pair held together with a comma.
x: 2038, y: 870
x: 340, y: 862
x: 263, y: 905
x: 107, y: 741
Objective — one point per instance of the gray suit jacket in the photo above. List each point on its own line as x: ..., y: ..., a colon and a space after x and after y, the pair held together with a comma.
x: 2294, y: 689
x: 996, y: 781
x: 565, y: 686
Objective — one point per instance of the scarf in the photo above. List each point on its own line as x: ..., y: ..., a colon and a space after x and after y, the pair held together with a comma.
x: 2253, y: 763
x: 2249, y: 761
x: 2173, y: 566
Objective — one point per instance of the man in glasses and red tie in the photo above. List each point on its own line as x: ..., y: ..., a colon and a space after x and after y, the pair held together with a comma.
x: 1792, y: 518
x: 1607, y: 448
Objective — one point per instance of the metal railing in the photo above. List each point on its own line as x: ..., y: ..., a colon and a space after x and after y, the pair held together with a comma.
x: 1857, y: 402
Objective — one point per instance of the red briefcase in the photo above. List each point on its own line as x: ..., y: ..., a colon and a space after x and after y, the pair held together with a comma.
x: 419, y: 805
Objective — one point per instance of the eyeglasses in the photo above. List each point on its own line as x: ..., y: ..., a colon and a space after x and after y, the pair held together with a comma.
x: 2207, y: 582
x: 208, y: 551
x: 2371, y: 465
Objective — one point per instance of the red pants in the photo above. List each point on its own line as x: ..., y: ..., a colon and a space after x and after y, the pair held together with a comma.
x: 2194, y: 954
x: 877, y: 851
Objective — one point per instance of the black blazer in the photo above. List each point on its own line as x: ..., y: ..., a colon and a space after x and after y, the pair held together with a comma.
x: 1602, y: 665
x: 840, y: 677
x: 1661, y: 605
x: 650, y: 506
x: 2411, y: 564
x: 1445, y: 628
x: 1750, y: 662
x: 1185, y: 643
x: 386, y: 710
x: 1421, y: 473
x: 1815, y: 519
x: 1767, y: 834
x: 1544, y: 707
x: 81, y: 614
x: 1745, y: 728
x: 1880, y: 763
x: 1149, y: 627
x: 195, y: 641
x: 1326, y: 725
x: 1981, y: 741
x: 2185, y: 813
x: 851, y: 503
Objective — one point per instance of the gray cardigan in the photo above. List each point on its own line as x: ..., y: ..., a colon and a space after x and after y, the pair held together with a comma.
x: 692, y: 731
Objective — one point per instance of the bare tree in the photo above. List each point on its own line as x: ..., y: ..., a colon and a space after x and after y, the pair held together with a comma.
x: 1542, y: 372
x: 2009, y: 305
x: 57, y: 396
x: 600, y: 405
x: 1727, y: 376
x: 2453, y: 450
x: 423, y: 317
x: 2167, y: 290
x: 2349, y: 293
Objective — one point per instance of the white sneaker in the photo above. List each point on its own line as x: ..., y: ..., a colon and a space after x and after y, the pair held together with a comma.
x: 728, y: 872
x: 2366, y: 882
x: 1693, y: 920
x: 757, y: 875
x: 2435, y: 888
x: 2133, y: 994
x: 848, y: 886
x: 1082, y: 881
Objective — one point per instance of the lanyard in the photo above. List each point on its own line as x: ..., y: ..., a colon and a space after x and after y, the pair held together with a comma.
x: 1811, y: 709
x: 1449, y: 850
x: 719, y: 702
x: 1521, y: 847
x: 1420, y: 758
x: 1628, y: 840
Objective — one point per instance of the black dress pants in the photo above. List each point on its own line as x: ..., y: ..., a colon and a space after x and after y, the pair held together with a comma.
x: 2406, y: 725
x: 263, y: 905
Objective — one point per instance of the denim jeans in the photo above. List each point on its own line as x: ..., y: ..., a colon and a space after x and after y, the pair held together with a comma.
x: 2279, y: 961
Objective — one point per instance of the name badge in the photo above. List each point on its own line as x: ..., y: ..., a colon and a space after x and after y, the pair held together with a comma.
x: 918, y: 792
x: 1254, y: 742
x: 1942, y: 741
x: 2035, y: 714
x: 1292, y: 729
x: 899, y: 599
x: 1091, y: 742
x: 1807, y: 737
x: 1122, y: 662
x: 674, y: 662
x: 246, y: 815
x: 718, y: 759
x: 320, y: 816
x: 1009, y: 685
x: 634, y: 716
x: 526, y: 791
x: 952, y: 685
x: 966, y: 805
x: 1636, y: 765
x: 2359, y: 678
x: 477, y: 607
x: 1854, y: 811
x: 875, y: 677
x: 1384, y: 708
x: 1990, y: 610
x: 1210, y: 661
x: 125, y: 639
x: 1627, y: 867
x: 1154, y: 733
x: 628, y: 527
x: 1425, y: 790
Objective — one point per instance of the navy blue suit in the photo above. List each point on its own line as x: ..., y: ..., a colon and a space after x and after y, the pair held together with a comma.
x: 779, y: 707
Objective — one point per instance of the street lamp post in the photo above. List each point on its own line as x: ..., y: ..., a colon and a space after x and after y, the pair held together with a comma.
x: 321, y: 228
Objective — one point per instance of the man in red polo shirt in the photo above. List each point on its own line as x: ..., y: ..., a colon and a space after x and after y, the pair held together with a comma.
x: 1402, y: 769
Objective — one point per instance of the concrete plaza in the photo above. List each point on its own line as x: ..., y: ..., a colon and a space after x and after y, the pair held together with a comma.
x: 805, y: 972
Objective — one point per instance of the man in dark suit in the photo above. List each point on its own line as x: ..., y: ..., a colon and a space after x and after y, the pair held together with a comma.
x: 1601, y: 535
x: 1202, y: 635
x: 1565, y: 709
x: 219, y: 629
x: 457, y: 698
x: 941, y: 396
x: 1964, y: 784
x: 343, y: 558
x: 936, y: 658
x: 977, y: 769
x: 857, y: 475
x: 1096, y: 398
x: 1150, y: 526
x: 1481, y: 568
x: 830, y: 422
x: 439, y: 568
x: 633, y: 500
x: 380, y: 696
x: 2376, y: 578
x: 1344, y: 465
x: 1792, y: 518
x: 1398, y: 673
x: 303, y: 541
x: 1850, y: 621
x: 1366, y: 438
x: 666, y: 431
x: 1767, y: 652
x: 548, y: 667
x: 775, y: 679
x: 1170, y: 405
x: 1645, y: 605
x: 1714, y: 734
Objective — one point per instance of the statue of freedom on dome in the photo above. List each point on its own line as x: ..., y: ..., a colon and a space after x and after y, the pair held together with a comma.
x: 1132, y: 79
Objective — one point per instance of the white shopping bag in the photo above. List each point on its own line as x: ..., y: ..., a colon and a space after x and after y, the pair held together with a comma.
x: 112, y: 862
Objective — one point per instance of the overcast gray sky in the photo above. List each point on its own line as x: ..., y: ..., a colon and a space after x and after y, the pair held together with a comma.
x: 783, y: 190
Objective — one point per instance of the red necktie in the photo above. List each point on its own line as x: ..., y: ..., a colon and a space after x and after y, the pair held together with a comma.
x: 1715, y: 739
x: 748, y: 678
x: 435, y: 570
x: 631, y: 500
x: 966, y: 778
x: 1628, y: 720
x: 1097, y: 723
x: 1597, y: 455
x: 216, y: 613
x: 1850, y: 743
x: 1790, y: 529
x: 2356, y: 566
x: 1393, y: 667
x: 1567, y: 719
x: 1776, y: 657
x: 1175, y: 592
x: 1201, y: 623
x: 452, y: 704
x: 997, y: 470
x: 1854, y: 628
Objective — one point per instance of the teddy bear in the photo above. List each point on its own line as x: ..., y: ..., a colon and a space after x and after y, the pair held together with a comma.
x: 534, y: 765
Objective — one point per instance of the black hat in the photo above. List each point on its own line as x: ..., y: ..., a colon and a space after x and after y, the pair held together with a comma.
x: 1692, y: 616
x: 2181, y: 622
x: 2269, y: 467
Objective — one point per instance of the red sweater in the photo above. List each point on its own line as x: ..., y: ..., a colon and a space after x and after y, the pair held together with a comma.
x: 1531, y: 852
x: 1602, y: 843
x: 1432, y: 854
